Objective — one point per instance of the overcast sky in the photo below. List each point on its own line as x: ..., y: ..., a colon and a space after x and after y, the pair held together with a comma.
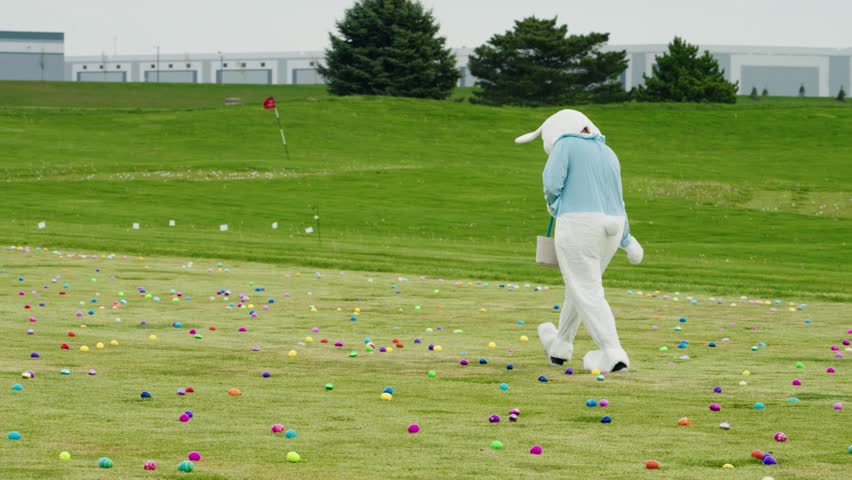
x: 93, y: 27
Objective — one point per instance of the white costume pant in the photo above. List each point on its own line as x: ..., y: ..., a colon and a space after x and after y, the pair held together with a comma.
x: 585, y: 244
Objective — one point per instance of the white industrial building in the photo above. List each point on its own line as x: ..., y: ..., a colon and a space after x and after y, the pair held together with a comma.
x: 32, y: 56
x: 35, y: 56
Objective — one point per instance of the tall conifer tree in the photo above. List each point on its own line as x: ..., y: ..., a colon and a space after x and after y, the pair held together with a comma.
x: 680, y: 75
x: 389, y: 47
x: 538, y: 63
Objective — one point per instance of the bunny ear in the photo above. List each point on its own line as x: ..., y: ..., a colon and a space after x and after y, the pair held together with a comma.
x: 528, y: 137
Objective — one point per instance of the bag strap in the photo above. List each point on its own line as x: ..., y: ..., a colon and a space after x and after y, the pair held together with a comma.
x: 550, y: 226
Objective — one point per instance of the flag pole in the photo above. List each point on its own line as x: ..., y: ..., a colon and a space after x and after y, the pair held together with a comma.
x: 281, y: 129
x: 317, y: 219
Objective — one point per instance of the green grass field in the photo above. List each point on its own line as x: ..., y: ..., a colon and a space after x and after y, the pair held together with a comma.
x: 349, y: 431
x: 432, y: 199
x: 750, y: 197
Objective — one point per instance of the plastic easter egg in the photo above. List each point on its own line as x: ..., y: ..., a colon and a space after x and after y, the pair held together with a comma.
x: 413, y: 428
x: 277, y: 428
x: 386, y: 396
x: 293, y: 457
x: 14, y: 436
x: 780, y: 437
x: 497, y: 445
x: 714, y: 407
x: 105, y: 462
x: 64, y: 456
x: 652, y: 464
x: 186, y: 466
x: 150, y: 465
x: 591, y: 402
x: 194, y: 456
x: 290, y: 433
x: 536, y: 450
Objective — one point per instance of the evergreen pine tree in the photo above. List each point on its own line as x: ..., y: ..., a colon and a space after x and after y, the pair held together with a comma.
x: 753, y: 95
x: 802, y: 90
x: 680, y: 75
x: 841, y: 95
x: 765, y: 92
x: 389, y: 47
x: 538, y: 63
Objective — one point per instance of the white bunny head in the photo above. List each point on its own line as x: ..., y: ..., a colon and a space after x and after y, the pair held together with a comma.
x: 558, y: 124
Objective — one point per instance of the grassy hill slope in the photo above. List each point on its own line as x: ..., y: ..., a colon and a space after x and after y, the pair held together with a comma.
x: 753, y: 198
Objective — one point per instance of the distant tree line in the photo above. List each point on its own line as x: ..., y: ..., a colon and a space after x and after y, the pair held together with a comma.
x: 392, y: 47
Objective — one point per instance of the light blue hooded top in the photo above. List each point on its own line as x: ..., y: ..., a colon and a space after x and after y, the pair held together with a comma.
x: 582, y: 175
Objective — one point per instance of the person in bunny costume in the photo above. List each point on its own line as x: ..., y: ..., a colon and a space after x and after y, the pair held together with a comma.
x: 582, y: 188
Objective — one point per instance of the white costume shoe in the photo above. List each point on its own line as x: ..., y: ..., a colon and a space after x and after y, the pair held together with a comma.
x: 548, y: 335
x: 606, y: 360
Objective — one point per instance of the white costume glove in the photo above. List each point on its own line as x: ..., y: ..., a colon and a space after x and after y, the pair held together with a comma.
x: 634, y: 251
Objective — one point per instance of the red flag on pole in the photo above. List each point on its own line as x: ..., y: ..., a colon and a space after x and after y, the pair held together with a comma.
x: 269, y: 103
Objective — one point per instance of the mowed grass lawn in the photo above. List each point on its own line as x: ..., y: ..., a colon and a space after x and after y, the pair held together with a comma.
x: 749, y: 197
x: 427, y: 221
x: 350, y: 431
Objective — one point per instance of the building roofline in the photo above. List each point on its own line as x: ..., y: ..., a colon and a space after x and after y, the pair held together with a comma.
x: 9, y: 35
x: 462, y: 52
x: 765, y: 50
x: 180, y: 57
